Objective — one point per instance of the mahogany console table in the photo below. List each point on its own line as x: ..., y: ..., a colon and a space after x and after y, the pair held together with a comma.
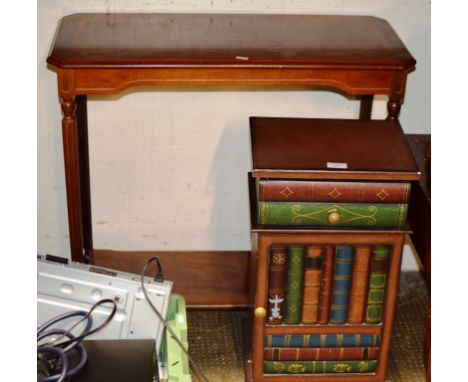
x: 108, y: 53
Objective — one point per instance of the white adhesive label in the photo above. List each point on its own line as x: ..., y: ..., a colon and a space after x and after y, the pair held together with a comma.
x: 337, y: 165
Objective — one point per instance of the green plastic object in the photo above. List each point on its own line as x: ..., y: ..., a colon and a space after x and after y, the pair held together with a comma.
x: 176, y: 360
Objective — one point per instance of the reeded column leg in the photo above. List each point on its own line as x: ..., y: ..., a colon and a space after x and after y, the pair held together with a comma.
x: 82, y: 125
x: 72, y: 177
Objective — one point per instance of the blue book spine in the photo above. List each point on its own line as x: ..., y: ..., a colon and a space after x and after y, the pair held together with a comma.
x: 341, y: 284
x: 322, y: 341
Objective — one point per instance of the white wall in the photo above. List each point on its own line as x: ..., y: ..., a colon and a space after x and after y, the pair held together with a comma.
x: 168, y: 167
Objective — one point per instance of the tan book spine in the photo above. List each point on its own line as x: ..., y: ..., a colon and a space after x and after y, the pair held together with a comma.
x: 326, y: 285
x: 312, y: 277
x: 359, y: 285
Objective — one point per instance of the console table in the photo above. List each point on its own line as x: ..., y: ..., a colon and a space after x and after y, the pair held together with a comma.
x: 108, y: 53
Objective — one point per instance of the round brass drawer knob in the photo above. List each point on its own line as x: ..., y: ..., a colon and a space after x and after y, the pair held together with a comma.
x: 260, y: 312
x: 334, y: 217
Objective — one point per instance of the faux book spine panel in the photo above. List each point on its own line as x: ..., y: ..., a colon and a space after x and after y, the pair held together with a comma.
x: 320, y: 354
x: 312, y: 275
x: 335, y: 192
x: 326, y: 285
x: 276, y: 284
x: 378, y: 279
x: 318, y: 367
x: 341, y: 284
x: 359, y: 285
x: 322, y: 340
x: 295, y: 282
x: 317, y: 214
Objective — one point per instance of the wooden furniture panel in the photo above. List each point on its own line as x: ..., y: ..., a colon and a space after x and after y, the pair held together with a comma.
x: 420, y: 204
x: 420, y: 218
x: 372, y: 157
x: 208, y: 279
x: 164, y: 40
x: 353, y: 81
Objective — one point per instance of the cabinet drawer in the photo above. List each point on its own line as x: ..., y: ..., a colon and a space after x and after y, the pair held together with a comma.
x: 358, y: 215
x: 290, y: 203
x: 333, y: 192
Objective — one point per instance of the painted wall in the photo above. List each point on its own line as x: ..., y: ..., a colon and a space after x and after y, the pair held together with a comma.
x: 168, y: 167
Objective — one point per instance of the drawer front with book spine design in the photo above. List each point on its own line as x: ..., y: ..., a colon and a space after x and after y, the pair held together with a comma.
x: 329, y: 204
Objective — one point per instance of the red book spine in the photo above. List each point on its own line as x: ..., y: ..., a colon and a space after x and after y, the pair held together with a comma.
x: 360, y: 281
x: 326, y: 285
x: 276, y: 284
x: 340, y: 192
x: 320, y: 354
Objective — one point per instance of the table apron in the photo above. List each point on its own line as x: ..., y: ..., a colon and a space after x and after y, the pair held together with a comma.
x: 85, y: 81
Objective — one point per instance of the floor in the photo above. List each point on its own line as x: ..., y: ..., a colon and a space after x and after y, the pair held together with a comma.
x: 216, y: 337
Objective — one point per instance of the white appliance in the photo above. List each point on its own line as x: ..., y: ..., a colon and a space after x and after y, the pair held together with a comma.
x: 64, y: 286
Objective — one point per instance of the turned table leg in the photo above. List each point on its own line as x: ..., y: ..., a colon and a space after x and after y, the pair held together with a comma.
x: 393, y: 108
x: 72, y: 176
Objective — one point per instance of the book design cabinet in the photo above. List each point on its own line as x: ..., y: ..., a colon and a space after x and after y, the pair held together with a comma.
x: 328, y: 210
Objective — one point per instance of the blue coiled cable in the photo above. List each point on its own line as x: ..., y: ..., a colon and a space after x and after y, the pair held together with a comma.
x: 49, y: 352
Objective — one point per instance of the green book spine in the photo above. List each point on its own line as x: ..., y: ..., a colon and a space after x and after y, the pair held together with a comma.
x: 317, y: 214
x: 294, y: 284
x: 377, y: 282
x: 319, y: 367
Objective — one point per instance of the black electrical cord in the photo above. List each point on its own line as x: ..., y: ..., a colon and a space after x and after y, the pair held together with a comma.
x: 195, y: 368
x: 53, y: 352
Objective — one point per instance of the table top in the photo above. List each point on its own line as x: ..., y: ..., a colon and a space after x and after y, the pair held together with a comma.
x: 331, y: 149
x: 227, y: 40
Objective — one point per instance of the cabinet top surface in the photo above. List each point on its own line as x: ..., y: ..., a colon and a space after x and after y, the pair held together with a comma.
x: 227, y: 40
x: 330, y: 148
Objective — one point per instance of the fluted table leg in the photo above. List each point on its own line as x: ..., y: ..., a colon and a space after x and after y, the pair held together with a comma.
x: 72, y: 176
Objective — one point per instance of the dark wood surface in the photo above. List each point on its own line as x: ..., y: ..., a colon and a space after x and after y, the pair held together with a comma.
x: 155, y: 40
x: 205, y: 279
x: 365, y: 111
x: 107, y: 53
x: 419, y: 213
x: 301, y: 148
x: 420, y: 145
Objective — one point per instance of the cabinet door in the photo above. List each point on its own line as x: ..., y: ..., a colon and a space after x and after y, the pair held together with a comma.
x: 324, y: 304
